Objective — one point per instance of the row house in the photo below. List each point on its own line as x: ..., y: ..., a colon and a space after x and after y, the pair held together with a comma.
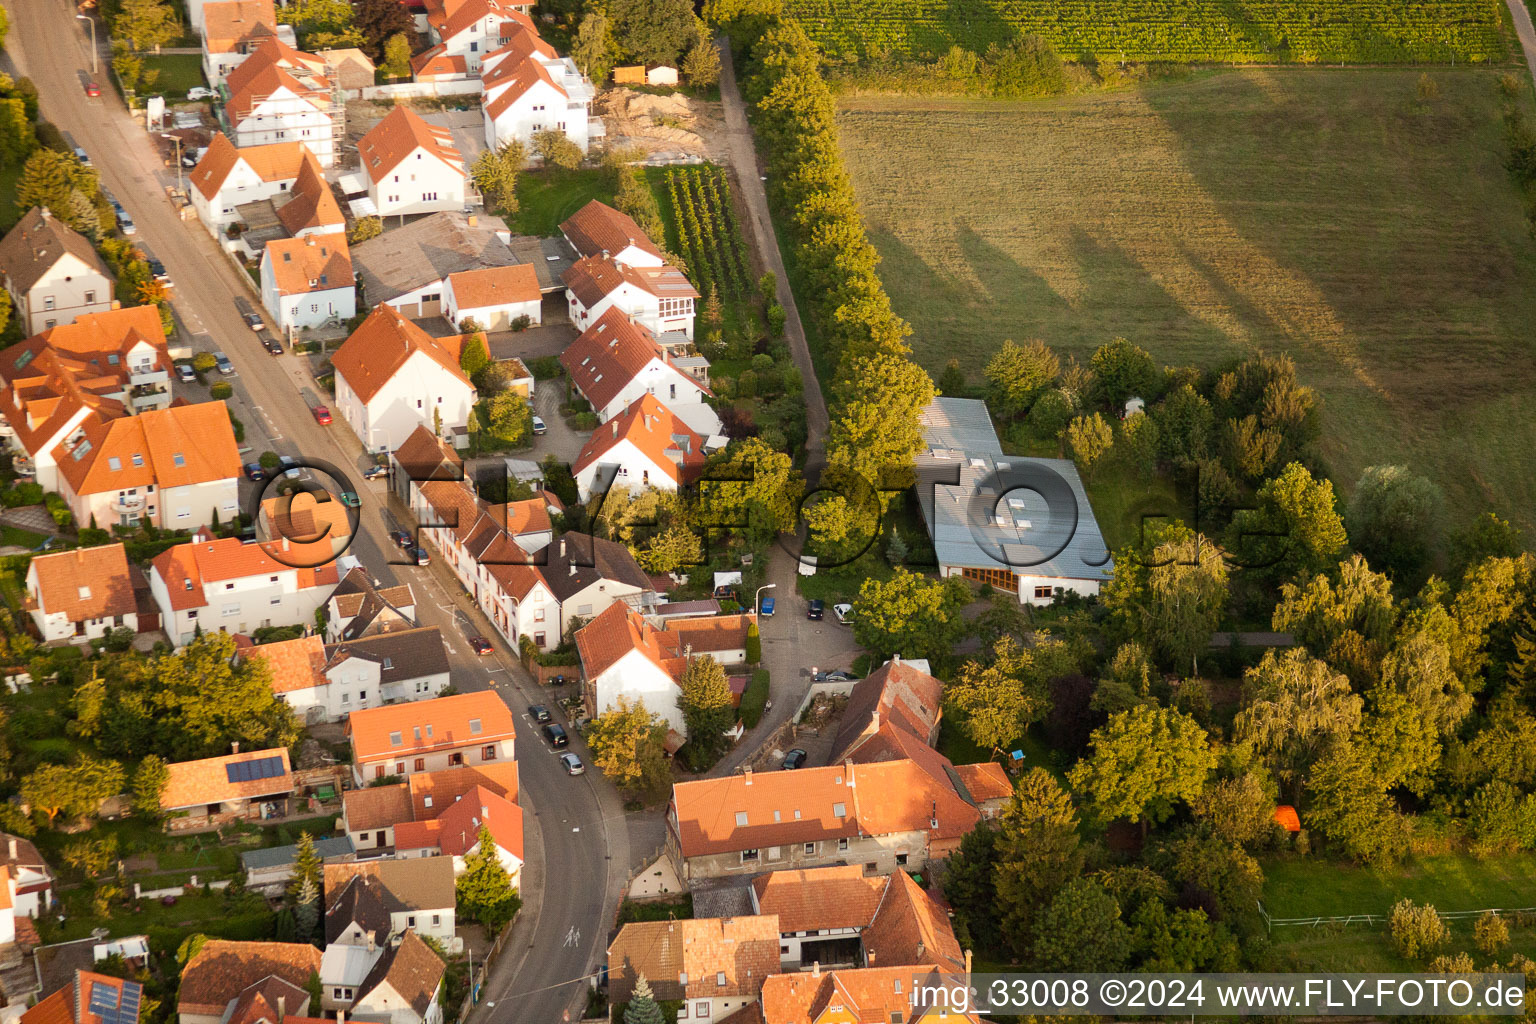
x: 231, y: 32
x: 494, y: 297
x: 412, y: 166
x: 225, y: 584
x: 82, y: 595
x: 468, y: 30
x: 659, y: 298
x: 52, y: 272
x: 326, y: 682
x: 615, y: 361
x: 598, y: 230
x: 280, y: 94
x: 385, y: 900
x: 393, y: 377
x: 371, y: 816
x: 401, y: 740
x: 647, y: 446
x: 715, y: 967
x: 227, y: 178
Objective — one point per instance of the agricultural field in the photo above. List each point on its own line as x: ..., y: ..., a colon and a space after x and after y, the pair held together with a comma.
x: 1245, y: 31
x: 709, y: 235
x: 1326, y: 213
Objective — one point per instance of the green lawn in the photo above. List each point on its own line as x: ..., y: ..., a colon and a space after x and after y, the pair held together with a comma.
x: 21, y: 538
x: 1126, y: 500
x: 957, y: 746
x: 1303, y: 886
x: 178, y: 73
x: 1320, y: 212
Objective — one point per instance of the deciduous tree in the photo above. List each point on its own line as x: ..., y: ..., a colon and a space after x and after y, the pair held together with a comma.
x: 653, y: 31
x: 1295, y: 530
x: 1080, y: 930
x: 381, y: 22
x: 556, y: 149
x: 1393, y: 518
x: 995, y: 701
x: 629, y: 746
x: 1295, y: 710
x: 1089, y: 439
x: 701, y: 64
x: 1122, y: 370
x: 1018, y: 374
x: 911, y: 615
x: 1143, y: 762
x: 149, y: 781
x: 705, y: 701
x: 593, y: 47
x: 396, y: 58
x: 73, y: 789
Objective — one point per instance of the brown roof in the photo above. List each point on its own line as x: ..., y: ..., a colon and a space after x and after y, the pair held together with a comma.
x: 416, y: 883
x: 494, y: 286
x: 36, y: 243
x: 597, y: 228
x: 174, y: 447
x: 382, y: 344
x: 222, y: 970
x: 744, y: 949
x: 816, y: 898
x: 425, y: 456
x: 457, y: 828
x: 376, y: 807
x: 229, y: 23
x: 210, y: 781
x: 421, y: 726
x: 895, y: 694
x: 870, y: 994
x: 308, y: 264
x: 400, y: 134
x: 609, y: 354
x: 411, y: 969
x: 985, y: 781
x: 312, y: 203
x: 279, y: 161
x: 911, y: 928
x: 294, y: 664
x: 86, y: 583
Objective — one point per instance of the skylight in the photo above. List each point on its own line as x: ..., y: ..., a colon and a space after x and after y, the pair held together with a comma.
x: 179, y: 459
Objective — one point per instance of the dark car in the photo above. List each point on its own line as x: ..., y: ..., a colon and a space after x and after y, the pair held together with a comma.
x: 400, y: 537
x: 816, y: 609
x: 185, y: 373
x: 253, y: 321
x: 794, y: 759
x: 481, y: 646
x: 837, y: 675
x: 158, y: 269
x: 538, y: 712
x: 556, y: 735
x: 253, y: 471
x: 226, y: 367
x: 271, y: 344
x: 422, y: 558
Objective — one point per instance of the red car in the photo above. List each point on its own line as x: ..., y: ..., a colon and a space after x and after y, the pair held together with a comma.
x: 322, y: 415
x: 480, y: 645
x: 92, y: 89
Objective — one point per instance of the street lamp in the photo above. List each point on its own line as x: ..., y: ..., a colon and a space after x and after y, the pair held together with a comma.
x: 95, y: 53
x: 176, y: 139
x: 757, y: 606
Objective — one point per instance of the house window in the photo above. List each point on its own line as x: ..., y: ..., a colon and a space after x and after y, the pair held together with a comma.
x: 840, y: 810
x: 749, y: 856
x: 810, y: 849
x: 410, y: 921
x: 90, y: 296
x: 901, y: 859
x: 842, y: 844
x: 437, y: 919
x: 399, y: 767
x: 488, y: 753
x: 702, y: 1009
x: 455, y: 759
x: 720, y: 979
x: 48, y: 302
x: 378, y: 771
x: 741, y: 819
x: 538, y: 638
x: 395, y: 739
x: 421, y: 766
x: 1044, y: 593
x: 346, y: 698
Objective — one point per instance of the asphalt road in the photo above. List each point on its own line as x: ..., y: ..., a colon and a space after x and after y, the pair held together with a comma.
x: 576, y: 837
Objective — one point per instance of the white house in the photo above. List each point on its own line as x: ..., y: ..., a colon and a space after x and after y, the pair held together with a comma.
x: 469, y: 30
x: 623, y: 655
x: 359, y: 607
x: 392, y: 377
x: 232, y: 586
x: 493, y: 296
x: 326, y: 682
x: 455, y: 832
x: 598, y: 229
x: 615, y: 361
x: 528, y: 88
x: 31, y: 880
x: 415, y: 896
x: 81, y: 595
x: 52, y: 272
x: 404, y: 986
x: 279, y: 94
x: 226, y: 177
x: 660, y: 298
x: 232, y: 30
x: 645, y: 446
x: 307, y: 282
x: 412, y: 166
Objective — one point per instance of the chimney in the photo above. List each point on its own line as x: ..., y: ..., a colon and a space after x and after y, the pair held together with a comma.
x: 341, y: 1017
x: 615, y: 428
x: 815, y: 968
x: 234, y: 748
x: 485, y: 812
x: 47, y: 214
x: 746, y: 772
x: 282, y: 1008
x: 573, y: 569
x: 562, y: 547
x: 370, y: 942
x: 869, y: 958
x: 874, y: 720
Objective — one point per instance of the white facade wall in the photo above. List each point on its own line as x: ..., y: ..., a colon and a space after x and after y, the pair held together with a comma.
x: 492, y: 318
x: 305, y: 309
x: 635, y: 470
x: 287, y: 117
x: 406, y: 402
x: 670, y: 385
x: 541, y: 108
x: 636, y: 677
x: 1032, y: 589
x: 637, y: 304
x: 176, y: 508
x: 386, y: 1006
x: 421, y: 183
x: 238, y: 606
x: 241, y: 185
x: 404, y: 762
x: 69, y: 289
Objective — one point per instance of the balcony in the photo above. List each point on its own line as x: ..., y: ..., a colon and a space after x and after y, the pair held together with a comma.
x: 128, y: 504
x: 149, y: 377
x: 142, y: 399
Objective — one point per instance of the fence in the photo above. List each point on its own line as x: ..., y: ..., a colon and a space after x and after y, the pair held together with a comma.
x: 417, y: 90
x: 478, y: 973
x: 1348, y: 919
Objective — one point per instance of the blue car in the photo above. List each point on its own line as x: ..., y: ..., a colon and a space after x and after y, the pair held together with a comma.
x: 767, y: 606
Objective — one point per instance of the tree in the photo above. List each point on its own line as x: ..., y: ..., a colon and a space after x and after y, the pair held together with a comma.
x: 653, y: 31
x: 1351, y: 807
x: 676, y: 547
x: 72, y: 789
x: 5, y: 25
x: 1121, y: 371
x: 146, y: 24
x: 910, y: 615
x: 1184, y: 424
x: 1037, y: 853
x: 1017, y: 374
x: 707, y: 707
x: 642, y: 1008
x: 635, y: 198
x: 49, y: 178
x: 396, y: 62
x: 1089, y: 439
x: 1488, y: 536
x: 365, y: 228
x: 1296, y: 527
x: 382, y: 22
x: 1321, y: 613
x: 1394, y: 518
x: 556, y: 149
x: 306, y: 910
x: 5, y: 309
x: 495, y: 175
x: 593, y: 47
x: 751, y: 484
x: 1239, y: 810
x: 307, y: 867
x: 1080, y: 930
x: 473, y: 356
x: 321, y: 24
x: 1175, y: 597
x: 629, y: 746
x: 1491, y: 933
x: 1295, y: 710
x: 1143, y: 761
x: 17, y: 137
x: 995, y: 702
x: 1417, y: 931
x: 484, y: 891
x: 701, y: 65
x: 509, y: 420
x: 754, y: 644
x: 970, y: 887
x: 148, y: 783
x: 1181, y: 940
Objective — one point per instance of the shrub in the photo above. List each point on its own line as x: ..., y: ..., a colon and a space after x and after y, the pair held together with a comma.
x: 1417, y: 931
x: 755, y: 700
x: 1491, y: 933
x: 220, y: 390
x: 58, y: 508
x: 754, y: 645
x: 776, y: 320
x: 522, y: 323
x: 1051, y: 413
x: 24, y: 494
x: 204, y: 362
x: 544, y: 367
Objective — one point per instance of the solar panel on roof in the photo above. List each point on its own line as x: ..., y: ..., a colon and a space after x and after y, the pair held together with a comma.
x: 252, y: 771
x: 105, y: 1002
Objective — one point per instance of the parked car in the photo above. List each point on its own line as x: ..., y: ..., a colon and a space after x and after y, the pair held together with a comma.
x: 422, y: 558
x: 539, y: 426
x: 253, y: 471
x: 200, y: 92
x: 125, y: 223
x: 271, y: 344
x: 538, y: 712
x: 289, y: 466
x: 837, y: 675
x: 766, y: 608
x: 555, y: 733
x: 158, y: 270
x: 481, y: 646
x: 322, y: 415
x: 92, y: 89
x: 248, y: 314
x: 400, y: 537
x: 350, y: 499
x: 185, y: 373
x: 816, y: 609
x: 82, y: 156
x: 794, y: 759
x: 572, y: 764
x: 844, y: 613
x: 226, y: 368
x: 375, y: 472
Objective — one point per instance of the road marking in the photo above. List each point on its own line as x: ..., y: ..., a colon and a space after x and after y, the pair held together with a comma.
x: 573, y: 936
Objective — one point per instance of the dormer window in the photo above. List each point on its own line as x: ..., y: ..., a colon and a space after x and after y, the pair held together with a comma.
x: 474, y: 726
x: 395, y: 739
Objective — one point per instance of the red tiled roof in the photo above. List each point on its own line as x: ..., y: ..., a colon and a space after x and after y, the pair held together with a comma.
x: 744, y: 949
x: 229, y: 23
x: 186, y: 567
x: 174, y: 447
x: 279, y: 161
x: 313, y: 204
x: 593, y: 278
x: 514, y: 79
x: 221, y: 970
x: 870, y: 994
x: 457, y: 828
x: 433, y: 63
x: 495, y: 286
x: 665, y: 440
x: 194, y: 783
x: 296, y: 664
x: 816, y: 898
x: 597, y: 228
x: 312, y: 263
x: 911, y: 928
x: 401, y: 133
x: 86, y: 583
x: 985, y: 781
x: 609, y: 354
x: 443, y: 722
x: 381, y: 345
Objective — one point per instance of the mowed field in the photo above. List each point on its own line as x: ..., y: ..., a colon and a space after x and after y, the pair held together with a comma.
x: 1318, y: 212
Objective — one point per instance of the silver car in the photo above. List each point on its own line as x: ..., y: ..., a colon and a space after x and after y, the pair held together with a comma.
x: 572, y: 764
